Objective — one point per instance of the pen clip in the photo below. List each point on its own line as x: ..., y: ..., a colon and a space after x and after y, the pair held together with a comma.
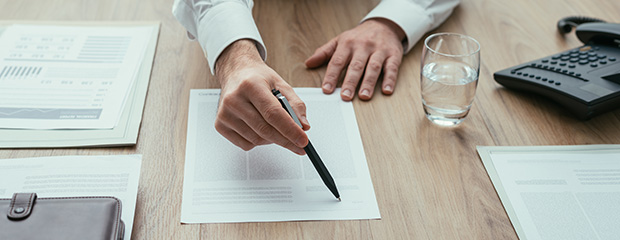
x: 287, y: 106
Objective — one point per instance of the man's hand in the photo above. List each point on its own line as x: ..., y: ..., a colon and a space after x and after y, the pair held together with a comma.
x: 248, y: 114
x: 367, y: 49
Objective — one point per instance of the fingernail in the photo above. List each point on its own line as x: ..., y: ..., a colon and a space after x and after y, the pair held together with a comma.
x: 387, y: 89
x: 305, y: 120
x: 365, y: 93
x: 346, y: 93
x: 327, y: 87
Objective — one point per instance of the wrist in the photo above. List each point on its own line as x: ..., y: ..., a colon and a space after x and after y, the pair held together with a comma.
x: 236, y: 56
x: 390, y: 26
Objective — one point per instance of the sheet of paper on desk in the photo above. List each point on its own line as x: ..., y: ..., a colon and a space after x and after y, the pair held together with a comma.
x: 223, y: 183
x: 67, y: 77
x: 65, y: 176
x: 558, y: 192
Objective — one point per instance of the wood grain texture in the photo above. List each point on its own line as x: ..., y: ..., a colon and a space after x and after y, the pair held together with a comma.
x: 429, y: 181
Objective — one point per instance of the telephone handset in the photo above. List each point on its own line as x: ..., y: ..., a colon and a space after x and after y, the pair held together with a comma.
x: 585, y: 80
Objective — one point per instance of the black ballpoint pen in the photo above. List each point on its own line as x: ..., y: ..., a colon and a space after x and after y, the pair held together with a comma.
x: 310, y: 151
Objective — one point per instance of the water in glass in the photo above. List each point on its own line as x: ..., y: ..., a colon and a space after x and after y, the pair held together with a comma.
x: 448, y: 90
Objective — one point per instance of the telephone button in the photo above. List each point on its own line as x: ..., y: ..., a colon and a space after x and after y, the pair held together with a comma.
x: 554, y: 62
x: 583, y: 56
x: 545, y: 60
x: 556, y: 57
x: 602, y: 56
x: 603, y: 62
x: 525, y: 74
x: 551, y: 81
x: 583, y: 62
x: 578, y: 74
x: 537, y: 77
x: 565, y: 58
x: 593, y: 58
x: 563, y: 64
x: 544, y: 79
x: 574, y: 60
x: 611, y: 59
x: 571, y: 66
x: 593, y: 65
x: 557, y: 83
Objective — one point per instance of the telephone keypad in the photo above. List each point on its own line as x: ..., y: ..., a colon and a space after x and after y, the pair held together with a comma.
x: 585, y: 79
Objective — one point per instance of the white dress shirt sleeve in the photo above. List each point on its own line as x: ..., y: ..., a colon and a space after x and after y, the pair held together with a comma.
x: 415, y: 17
x: 218, y: 23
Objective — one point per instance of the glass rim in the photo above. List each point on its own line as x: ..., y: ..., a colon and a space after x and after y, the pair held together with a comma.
x: 451, y: 34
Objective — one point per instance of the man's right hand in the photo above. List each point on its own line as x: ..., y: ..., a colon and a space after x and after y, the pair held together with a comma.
x: 248, y: 114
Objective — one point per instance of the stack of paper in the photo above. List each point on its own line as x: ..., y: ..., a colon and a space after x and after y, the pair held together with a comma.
x: 70, y: 176
x: 558, y: 192
x: 73, y: 85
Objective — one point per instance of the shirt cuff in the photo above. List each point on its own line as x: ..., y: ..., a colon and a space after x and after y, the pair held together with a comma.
x: 225, y: 24
x: 411, y: 18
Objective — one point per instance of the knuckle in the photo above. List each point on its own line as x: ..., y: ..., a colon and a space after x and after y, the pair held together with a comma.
x: 356, y: 65
x: 368, y: 43
x: 300, y: 105
x: 390, y: 78
x: 262, y: 129
x: 338, y: 61
x: 349, y: 40
x: 271, y: 114
x: 255, y: 139
x: 374, y: 66
x: 331, y: 77
x: 391, y: 67
x: 370, y: 82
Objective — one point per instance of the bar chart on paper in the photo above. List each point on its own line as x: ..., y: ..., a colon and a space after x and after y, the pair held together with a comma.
x: 67, y: 77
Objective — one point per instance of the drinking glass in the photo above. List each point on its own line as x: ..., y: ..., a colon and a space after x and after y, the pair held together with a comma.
x: 449, y: 77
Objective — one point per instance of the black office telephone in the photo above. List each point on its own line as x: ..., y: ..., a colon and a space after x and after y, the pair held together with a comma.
x: 585, y: 80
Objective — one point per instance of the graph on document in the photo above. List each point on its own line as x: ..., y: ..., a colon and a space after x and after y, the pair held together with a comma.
x: 78, y: 74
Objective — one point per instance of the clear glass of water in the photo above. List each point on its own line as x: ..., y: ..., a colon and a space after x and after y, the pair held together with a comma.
x: 449, y: 77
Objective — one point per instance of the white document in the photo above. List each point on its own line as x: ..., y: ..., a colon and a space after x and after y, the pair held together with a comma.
x: 68, y: 77
x: 223, y: 183
x: 68, y: 176
x: 558, y: 192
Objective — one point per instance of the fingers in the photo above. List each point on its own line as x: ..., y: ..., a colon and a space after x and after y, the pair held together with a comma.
x: 337, y: 63
x: 322, y: 54
x: 354, y: 74
x: 371, y: 75
x: 243, y: 125
x: 297, y: 104
x: 274, y: 123
x: 390, y: 74
x: 373, y: 47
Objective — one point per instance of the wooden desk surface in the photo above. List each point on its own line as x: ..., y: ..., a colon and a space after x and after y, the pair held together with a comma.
x: 429, y: 181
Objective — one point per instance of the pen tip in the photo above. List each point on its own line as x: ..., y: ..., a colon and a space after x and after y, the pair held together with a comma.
x: 339, y: 200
